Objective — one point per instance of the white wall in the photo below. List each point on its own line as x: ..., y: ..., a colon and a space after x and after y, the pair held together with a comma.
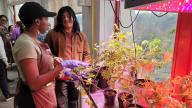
x: 108, y: 21
x: 104, y: 19
x: 55, y: 5
x: 87, y: 26
x: 103, y: 23
x: 6, y: 10
x: 1, y: 7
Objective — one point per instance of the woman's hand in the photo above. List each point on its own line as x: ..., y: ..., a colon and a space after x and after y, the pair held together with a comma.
x: 58, y: 59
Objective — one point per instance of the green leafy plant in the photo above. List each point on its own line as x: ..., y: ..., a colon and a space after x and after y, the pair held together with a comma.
x: 121, y: 56
x: 124, y: 60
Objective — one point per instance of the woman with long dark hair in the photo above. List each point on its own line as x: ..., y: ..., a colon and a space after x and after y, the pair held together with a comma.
x: 66, y: 41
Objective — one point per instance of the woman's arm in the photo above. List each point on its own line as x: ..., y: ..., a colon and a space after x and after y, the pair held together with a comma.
x: 31, y: 73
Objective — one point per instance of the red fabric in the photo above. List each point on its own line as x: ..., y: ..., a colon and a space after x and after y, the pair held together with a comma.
x: 182, y: 57
x: 65, y: 78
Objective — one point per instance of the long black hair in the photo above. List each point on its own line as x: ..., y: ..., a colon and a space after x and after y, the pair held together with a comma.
x: 59, y: 23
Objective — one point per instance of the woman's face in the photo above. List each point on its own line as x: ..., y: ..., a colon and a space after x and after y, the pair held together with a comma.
x: 67, y: 21
x: 44, y: 25
x: 3, y: 21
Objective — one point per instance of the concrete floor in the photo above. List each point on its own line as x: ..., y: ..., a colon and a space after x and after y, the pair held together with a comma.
x: 12, y: 74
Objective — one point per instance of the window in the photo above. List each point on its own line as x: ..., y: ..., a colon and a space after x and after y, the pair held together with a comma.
x: 79, y: 18
x: 148, y: 27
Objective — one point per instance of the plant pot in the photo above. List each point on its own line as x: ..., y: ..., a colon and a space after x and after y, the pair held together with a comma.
x: 141, y: 82
x: 143, y: 91
x: 125, y: 99
x: 109, y: 95
x: 134, y: 106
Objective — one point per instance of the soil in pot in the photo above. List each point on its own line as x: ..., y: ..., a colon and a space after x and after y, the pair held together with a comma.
x: 134, y: 106
x: 141, y: 82
x: 109, y: 95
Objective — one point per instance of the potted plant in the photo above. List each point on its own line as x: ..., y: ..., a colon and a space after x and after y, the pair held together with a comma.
x: 109, y: 96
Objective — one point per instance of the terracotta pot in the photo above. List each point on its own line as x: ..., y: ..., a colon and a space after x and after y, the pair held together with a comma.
x: 125, y: 99
x: 109, y: 95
